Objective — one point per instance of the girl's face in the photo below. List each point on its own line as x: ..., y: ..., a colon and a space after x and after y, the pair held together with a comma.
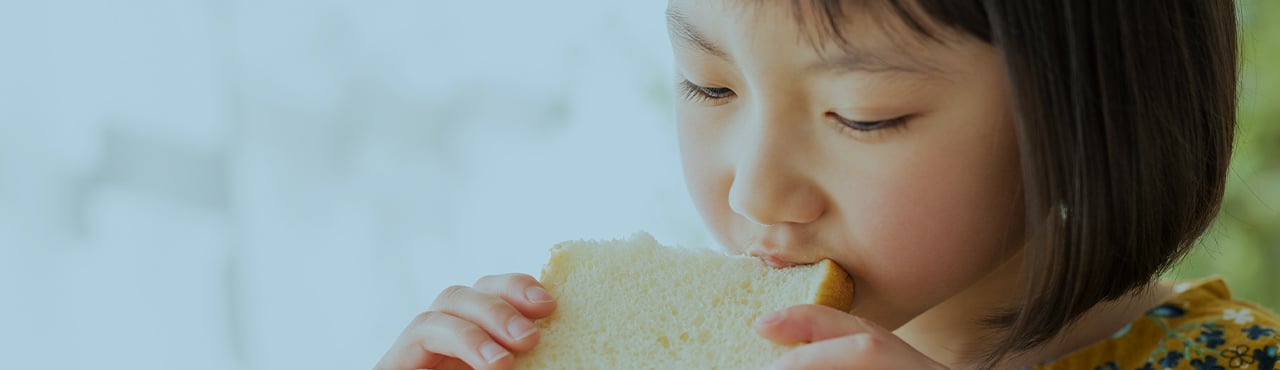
x: 893, y: 156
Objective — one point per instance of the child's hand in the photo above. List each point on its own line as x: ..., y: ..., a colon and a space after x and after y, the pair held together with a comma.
x: 837, y: 340
x: 473, y: 327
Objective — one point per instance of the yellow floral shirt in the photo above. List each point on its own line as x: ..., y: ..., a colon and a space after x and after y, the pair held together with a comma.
x: 1201, y: 328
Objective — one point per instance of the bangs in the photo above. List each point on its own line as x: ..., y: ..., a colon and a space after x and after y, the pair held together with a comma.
x: 929, y: 20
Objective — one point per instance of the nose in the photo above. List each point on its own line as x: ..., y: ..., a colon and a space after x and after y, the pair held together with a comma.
x: 771, y: 184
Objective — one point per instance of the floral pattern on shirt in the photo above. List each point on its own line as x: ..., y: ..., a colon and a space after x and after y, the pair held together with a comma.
x: 1201, y: 328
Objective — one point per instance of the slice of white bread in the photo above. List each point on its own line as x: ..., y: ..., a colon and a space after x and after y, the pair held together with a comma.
x: 635, y: 304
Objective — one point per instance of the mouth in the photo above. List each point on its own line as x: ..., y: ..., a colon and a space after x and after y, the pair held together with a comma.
x: 775, y: 261
x: 781, y: 248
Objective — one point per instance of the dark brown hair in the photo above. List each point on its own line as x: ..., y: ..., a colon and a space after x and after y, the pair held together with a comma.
x: 1125, y: 116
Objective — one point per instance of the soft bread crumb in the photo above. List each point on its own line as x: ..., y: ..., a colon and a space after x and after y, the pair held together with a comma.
x: 635, y: 304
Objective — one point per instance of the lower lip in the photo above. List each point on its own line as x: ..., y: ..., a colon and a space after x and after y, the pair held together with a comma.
x: 776, y: 263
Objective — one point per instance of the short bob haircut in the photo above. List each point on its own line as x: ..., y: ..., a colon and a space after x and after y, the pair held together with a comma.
x: 1125, y: 116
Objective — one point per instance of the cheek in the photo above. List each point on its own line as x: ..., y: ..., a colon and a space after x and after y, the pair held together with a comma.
x: 705, y: 170
x: 939, y: 221
x: 934, y: 225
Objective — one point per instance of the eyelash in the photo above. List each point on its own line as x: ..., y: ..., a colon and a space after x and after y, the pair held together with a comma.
x: 700, y: 94
x: 864, y: 128
x: 714, y: 95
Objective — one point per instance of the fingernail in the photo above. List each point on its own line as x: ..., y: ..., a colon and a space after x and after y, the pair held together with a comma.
x: 537, y: 295
x: 520, y: 328
x: 493, y: 352
x: 770, y: 318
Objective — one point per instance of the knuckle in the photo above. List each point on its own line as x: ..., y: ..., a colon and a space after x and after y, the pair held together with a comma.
x: 487, y: 280
x: 865, y: 324
x: 521, y: 278
x: 865, y: 342
x: 451, y: 293
x: 425, y: 317
x: 473, y: 333
x: 505, y: 280
x: 496, y: 306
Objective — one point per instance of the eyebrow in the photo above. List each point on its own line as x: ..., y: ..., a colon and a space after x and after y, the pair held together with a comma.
x: 853, y: 59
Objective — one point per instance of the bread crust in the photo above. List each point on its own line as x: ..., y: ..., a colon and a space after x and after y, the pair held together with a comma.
x: 836, y: 288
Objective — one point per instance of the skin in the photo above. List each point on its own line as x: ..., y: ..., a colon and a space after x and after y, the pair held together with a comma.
x: 924, y: 208
x: 924, y: 213
x: 928, y: 206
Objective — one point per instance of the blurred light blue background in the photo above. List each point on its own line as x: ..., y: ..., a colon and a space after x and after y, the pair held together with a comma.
x: 284, y: 184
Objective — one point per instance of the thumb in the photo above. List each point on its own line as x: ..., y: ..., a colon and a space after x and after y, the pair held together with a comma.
x: 811, y: 323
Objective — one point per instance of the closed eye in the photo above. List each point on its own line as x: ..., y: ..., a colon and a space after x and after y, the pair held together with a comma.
x: 867, y: 125
x: 703, y: 94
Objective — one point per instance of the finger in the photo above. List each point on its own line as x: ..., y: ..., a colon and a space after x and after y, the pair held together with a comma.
x: 837, y: 353
x: 459, y: 338
x: 817, y: 356
x: 446, y: 363
x: 407, y: 352
x: 494, y: 315
x: 811, y: 323
x: 857, y: 351
x: 433, y: 337
x: 520, y: 290
x: 450, y: 363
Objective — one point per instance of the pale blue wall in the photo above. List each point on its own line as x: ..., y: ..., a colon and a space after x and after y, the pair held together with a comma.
x: 283, y: 184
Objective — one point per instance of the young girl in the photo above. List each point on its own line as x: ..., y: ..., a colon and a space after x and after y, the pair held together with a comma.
x: 1003, y: 179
